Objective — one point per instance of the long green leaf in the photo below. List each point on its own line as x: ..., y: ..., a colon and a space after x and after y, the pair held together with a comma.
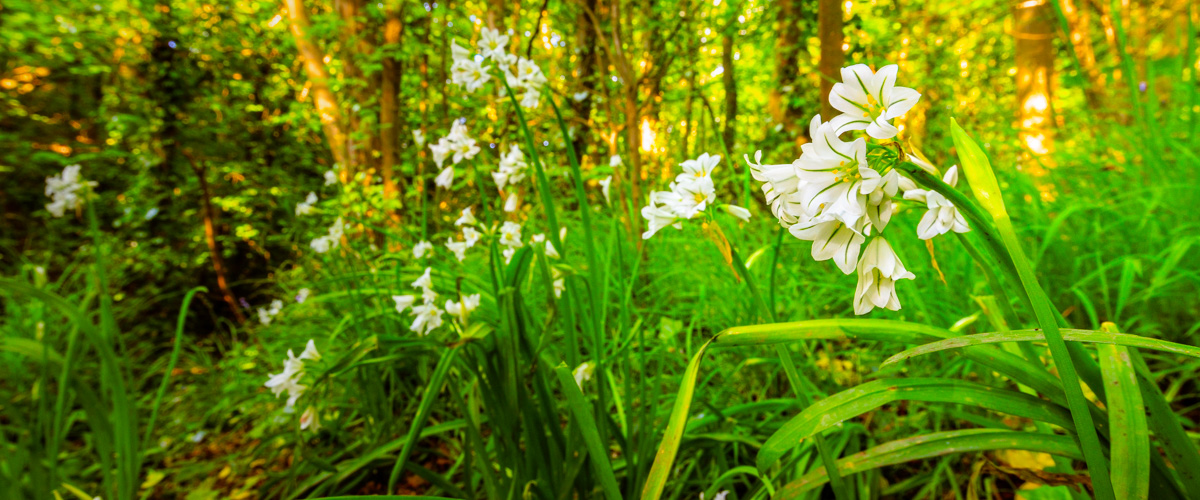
x: 1089, y: 336
x: 427, y: 400
x: 1130, y: 438
x: 979, y: 172
x: 934, y: 445
x: 664, y: 458
x: 582, y: 412
x: 871, y: 395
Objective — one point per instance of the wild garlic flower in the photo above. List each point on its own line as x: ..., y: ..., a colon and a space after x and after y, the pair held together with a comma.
x: 309, y: 419
x: 540, y: 238
x: 445, y: 179
x: 605, y: 184
x: 511, y: 203
x: 458, y: 146
x: 428, y: 317
x: 583, y: 372
x: 330, y: 177
x: 878, y: 272
x: 265, y: 315
x: 510, y: 235
x: 466, y: 218
x: 419, y: 137
x: 421, y: 249
x: 870, y: 100
x: 493, y: 45
x: 559, y: 283
x: 289, y: 379
x: 302, y: 295
x: 832, y: 239
x: 690, y: 195
x: 615, y: 161
x: 470, y: 236
x: 512, y: 167
x: 464, y: 307
x: 323, y: 244
x: 64, y: 190
x: 579, y: 96
x: 403, y: 302
x: 941, y: 216
x: 425, y: 281
x: 458, y: 248
x: 306, y: 207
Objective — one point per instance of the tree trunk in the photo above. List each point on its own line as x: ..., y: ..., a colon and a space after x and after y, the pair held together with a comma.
x: 788, y: 48
x: 318, y: 78
x: 829, y: 29
x: 588, y: 61
x: 390, y: 89
x: 210, y: 236
x: 1078, y: 24
x: 1034, y: 32
x: 731, y: 107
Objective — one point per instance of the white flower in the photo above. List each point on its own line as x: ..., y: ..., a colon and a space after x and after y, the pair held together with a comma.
x: 264, y: 317
x: 289, y: 379
x: 878, y: 272
x: 941, y: 216
x: 465, y: 149
x: 870, y: 100
x: 529, y: 74
x: 64, y: 190
x: 737, y: 211
x: 419, y: 137
x: 510, y: 205
x: 510, y: 234
x: 470, y: 236
x: 306, y: 207
x: 508, y: 254
x: 657, y: 218
x: 321, y: 244
x: 309, y: 419
x: 580, y: 96
x: 467, y: 217
x: 693, y: 197
x: 310, y: 351
x: 422, y: 248
x: 302, y: 295
x: 780, y: 187
x: 458, y: 53
x: 531, y: 99
x: 834, y: 176
x: 428, y: 317
x: 879, y: 201
x: 697, y: 169
x: 440, y: 150
x: 462, y: 309
x: 425, y: 282
x: 605, y: 184
x: 459, y: 248
x: 583, y: 372
x: 445, y: 179
x: 560, y: 283
x: 492, y: 44
x: 403, y: 302
x: 831, y: 239
x: 512, y: 167
x: 330, y: 178
x: 614, y: 161
x: 551, y: 251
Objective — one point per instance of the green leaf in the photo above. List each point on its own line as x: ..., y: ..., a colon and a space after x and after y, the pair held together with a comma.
x: 664, y: 458
x: 978, y: 171
x: 582, y: 412
x: 1090, y: 336
x: 934, y: 445
x: 863, y: 398
x: 1130, y: 438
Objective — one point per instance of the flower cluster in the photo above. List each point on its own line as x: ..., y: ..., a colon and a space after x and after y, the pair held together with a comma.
x: 427, y: 315
x: 322, y: 244
x: 521, y: 74
x: 692, y: 192
x: 293, y: 370
x: 64, y: 190
x: 840, y: 197
x: 510, y: 238
x: 306, y: 207
x: 458, y: 146
x: 470, y: 235
x: 265, y: 315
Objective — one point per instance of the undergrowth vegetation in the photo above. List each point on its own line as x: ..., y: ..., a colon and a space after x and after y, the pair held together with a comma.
x: 520, y: 320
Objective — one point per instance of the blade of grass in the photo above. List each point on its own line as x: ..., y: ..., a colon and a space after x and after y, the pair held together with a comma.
x: 1130, y: 448
x: 1089, y: 336
x: 979, y: 172
x: 427, y: 400
x: 860, y: 399
x: 582, y: 412
x: 162, y: 389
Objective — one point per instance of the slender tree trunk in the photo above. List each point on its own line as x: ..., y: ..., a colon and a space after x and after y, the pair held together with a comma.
x: 1078, y: 24
x: 390, y: 88
x: 788, y: 48
x: 829, y: 29
x: 318, y: 77
x: 731, y: 107
x: 586, y: 74
x: 1034, y: 32
x: 214, y: 246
